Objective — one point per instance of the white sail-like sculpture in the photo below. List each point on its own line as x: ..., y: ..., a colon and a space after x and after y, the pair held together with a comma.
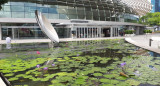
x: 46, y: 26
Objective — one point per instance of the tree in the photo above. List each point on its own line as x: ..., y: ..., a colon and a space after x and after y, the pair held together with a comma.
x: 150, y: 19
x: 2, y: 2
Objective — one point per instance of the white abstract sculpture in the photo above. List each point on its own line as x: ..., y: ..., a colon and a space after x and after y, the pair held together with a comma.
x: 46, y: 26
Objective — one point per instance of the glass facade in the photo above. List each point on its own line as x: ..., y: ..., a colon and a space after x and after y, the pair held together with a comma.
x: 155, y: 6
x: 100, y: 10
x: 30, y: 31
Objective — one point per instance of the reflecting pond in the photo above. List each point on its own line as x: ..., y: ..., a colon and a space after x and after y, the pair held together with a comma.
x: 81, y: 63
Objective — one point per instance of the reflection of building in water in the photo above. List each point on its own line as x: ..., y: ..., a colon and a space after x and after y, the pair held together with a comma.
x: 82, y: 18
x: 154, y: 54
x: 0, y: 47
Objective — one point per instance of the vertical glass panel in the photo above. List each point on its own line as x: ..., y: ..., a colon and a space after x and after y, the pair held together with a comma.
x: 107, y: 19
x: 45, y: 14
x: 17, y: 3
x: 17, y: 8
x: 25, y: 33
x: 80, y: 8
x: 88, y: 9
x: 63, y: 16
x: 89, y: 17
x: 6, y: 8
x: 53, y: 10
x: 42, y: 9
x: 81, y: 17
x: 95, y: 12
x: 53, y: 16
x: 29, y: 4
x: 29, y: 15
x: 102, y: 18
x: 60, y: 6
x: 18, y: 14
x: 113, y: 19
x: 41, y: 5
x: 52, y: 0
x: 53, y: 6
x: 72, y: 11
x: 63, y: 11
x: 5, y: 14
x: 30, y: 9
x: 4, y: 33
x: 63, y: 32
x: 15, y: 33
x: 72, y: 16
x: 107, y: 13
x: 88, y: 13
x: 95, y: 17
x: 80, y: 12
x: 101, y: 12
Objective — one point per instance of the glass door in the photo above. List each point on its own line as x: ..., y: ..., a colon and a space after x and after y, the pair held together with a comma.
x: 5, y: 32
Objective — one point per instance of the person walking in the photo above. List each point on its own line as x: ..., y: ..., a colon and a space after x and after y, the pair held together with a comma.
x: 8, y: 42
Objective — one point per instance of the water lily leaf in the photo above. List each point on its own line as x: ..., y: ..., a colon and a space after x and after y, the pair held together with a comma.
x: 105, y: 80
x: 13, y: 79
x: 132, y: 82
x: 97, y: 74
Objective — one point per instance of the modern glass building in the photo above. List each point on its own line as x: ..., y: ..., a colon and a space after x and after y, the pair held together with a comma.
x: 155, y: 6
x: 70, y: 18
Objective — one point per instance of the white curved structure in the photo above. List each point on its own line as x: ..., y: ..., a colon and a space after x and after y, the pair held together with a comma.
x: 141, y: 7
x: 46, y: 26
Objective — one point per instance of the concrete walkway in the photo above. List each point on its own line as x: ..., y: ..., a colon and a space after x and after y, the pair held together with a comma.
x: 138, y: 40
x: 143, y: 42
x: 61, y: 40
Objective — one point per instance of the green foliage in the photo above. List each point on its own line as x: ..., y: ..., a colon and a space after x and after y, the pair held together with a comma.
x: 150, y: 19
x: 129, y: 31
x: 2, y: 2
x: 147, y: 31
x: 97, y: 74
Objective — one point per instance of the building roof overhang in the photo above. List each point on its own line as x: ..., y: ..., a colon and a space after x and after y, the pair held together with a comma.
x: 68, y: 22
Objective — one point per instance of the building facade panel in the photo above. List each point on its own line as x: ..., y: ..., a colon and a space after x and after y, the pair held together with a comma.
x: 83, y: 17
x: 66, y: 9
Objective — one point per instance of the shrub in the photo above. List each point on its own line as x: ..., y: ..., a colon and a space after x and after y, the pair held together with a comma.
x: 147, y: 31
x: 129, y: 31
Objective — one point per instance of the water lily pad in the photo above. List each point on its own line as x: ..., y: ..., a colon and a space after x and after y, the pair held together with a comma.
x: 105, y: 80
x: 13, y: 79
x: 132, y: 82
x: 97, y: 74
x: 110, y: 76
x: 121, y: 78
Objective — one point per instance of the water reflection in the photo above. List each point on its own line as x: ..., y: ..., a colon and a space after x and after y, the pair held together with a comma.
x: 154, y: 54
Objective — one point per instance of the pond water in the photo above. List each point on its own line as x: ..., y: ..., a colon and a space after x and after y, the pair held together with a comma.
x: 81, y: 63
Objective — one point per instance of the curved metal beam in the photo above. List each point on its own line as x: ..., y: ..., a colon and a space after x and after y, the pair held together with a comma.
x: 46, y: 27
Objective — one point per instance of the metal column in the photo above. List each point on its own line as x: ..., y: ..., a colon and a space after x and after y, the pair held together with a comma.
x: 84, y: 32
x: 87, y: 32
x: 0, y: 32
x: 111, y: 31
x: 79, y: 32
x: 13, y: 33
x: 92, y: 32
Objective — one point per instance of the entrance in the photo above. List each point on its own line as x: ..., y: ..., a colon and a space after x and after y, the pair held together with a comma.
x: 106, y: 32
x: 19, y: 32
x: 5, y: 32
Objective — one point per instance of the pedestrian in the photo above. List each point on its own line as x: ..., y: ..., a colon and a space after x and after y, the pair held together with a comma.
x: 8, y: 42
